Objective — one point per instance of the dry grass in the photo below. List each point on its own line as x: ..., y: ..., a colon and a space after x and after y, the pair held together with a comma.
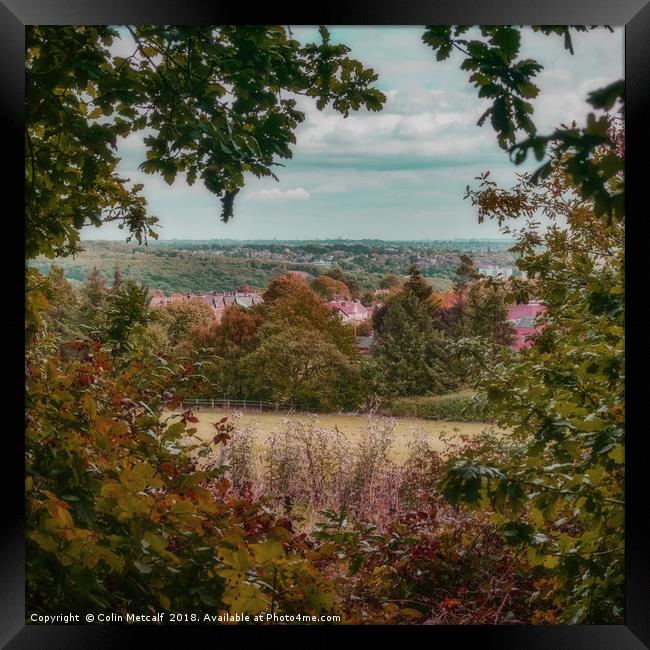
x: 352, y: 427
x: 372, y: 468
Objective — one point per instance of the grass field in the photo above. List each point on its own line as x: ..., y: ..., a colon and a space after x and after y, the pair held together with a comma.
x: 352, y: 426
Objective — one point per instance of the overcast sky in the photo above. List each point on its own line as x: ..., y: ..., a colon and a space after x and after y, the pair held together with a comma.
x: 397, y: 174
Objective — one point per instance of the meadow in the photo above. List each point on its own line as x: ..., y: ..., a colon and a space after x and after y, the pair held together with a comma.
x: 352, y: 427
x: 372, y: 468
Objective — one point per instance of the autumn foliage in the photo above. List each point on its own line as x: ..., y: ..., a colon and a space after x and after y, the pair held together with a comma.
x: 128, y: 510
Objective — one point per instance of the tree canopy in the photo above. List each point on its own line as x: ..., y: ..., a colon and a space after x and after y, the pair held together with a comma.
x: 557, y: 482
x: 501, y: 75
x: 409, y: 354
x: 214, y: 103
x: 329, y: 288
x: 178, y: 318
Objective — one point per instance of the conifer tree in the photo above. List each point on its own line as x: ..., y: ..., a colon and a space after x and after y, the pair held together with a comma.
x: 94, y: 296
x: 62, y: 315
x: 128, y: 307
x: 117, y: 278
x: 410, y: 352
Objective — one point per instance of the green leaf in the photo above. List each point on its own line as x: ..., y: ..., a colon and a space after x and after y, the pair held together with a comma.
x: 508, y: 40
x: 605, y: 98
x: 266, y: 551
x: 617, y: 454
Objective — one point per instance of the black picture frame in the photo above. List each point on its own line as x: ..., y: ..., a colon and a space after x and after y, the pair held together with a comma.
x: 633, y: 14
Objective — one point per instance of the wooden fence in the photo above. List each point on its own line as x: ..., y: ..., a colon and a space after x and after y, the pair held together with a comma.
x: 240, y: 405
x: 252, y: 405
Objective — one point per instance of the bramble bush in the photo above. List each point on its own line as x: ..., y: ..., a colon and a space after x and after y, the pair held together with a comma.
x: 119, y: 516
x: 557, y: 482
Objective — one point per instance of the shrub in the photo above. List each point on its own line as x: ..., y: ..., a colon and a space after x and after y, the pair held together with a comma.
x: 305, y: 468
x: 434, y: 564
x: 393, y: 550
x: 121, y: 513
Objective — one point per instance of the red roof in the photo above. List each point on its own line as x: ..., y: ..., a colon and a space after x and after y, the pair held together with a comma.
x: 523, y: 317
x: 532, y: 308
x: 348, y: 307
x: 158, y: 300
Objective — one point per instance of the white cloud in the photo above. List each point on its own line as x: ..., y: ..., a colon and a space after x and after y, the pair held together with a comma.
x: 274, y: 194
x: 399, y: 173
x: 448, y: 127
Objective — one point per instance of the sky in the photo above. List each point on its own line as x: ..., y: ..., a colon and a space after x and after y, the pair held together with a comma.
x: 399, y: 174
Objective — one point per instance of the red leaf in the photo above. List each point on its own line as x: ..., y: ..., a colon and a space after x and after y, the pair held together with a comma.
x: 221, y: 438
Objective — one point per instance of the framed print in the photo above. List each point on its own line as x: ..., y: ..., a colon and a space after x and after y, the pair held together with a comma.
x: 327, y: 323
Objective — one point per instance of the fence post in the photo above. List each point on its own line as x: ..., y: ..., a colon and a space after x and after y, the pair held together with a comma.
x: 244, y: 404
x: 212, y: 402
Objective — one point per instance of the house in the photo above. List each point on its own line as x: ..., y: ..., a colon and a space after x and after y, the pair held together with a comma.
x: 247, y: 299
x: 324, y: 262
x: 523, y: 317
x: 217, y: 300
x: 350, y: 311
x: 160, y: 299
x: 502, y: 272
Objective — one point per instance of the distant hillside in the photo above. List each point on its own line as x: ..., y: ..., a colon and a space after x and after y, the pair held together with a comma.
x: 356, y: 245
x: 196, y: 266
x: 170, y: 270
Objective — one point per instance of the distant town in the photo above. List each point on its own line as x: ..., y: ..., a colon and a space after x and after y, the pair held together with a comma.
x: 226, y: 272
x: 352, y: 312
